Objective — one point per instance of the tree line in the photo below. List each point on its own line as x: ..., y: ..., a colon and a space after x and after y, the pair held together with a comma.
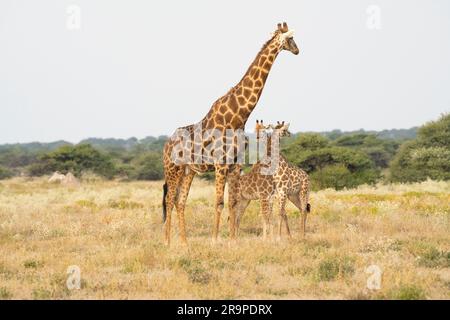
x: 333, y: 159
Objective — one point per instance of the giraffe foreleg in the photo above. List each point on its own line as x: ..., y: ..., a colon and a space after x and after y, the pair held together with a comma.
x: 265, y: 213
x: 243, y: 204
x: 221, y: 178
x: 282, y: 215
x: 233, y: 197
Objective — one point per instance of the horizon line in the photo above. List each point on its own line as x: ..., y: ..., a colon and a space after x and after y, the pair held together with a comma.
x: 167, y: 135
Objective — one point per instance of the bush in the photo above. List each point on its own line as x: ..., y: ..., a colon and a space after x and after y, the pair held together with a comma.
x: 331, y: 166
x: 333, y: 267
x: 428, y: 156
x: 407, y: 292
x: 333, y: 176
x: 148, y: 166
x: 5, y: 294
x: 311, y: 141
x: 74, y: 159
x: 5, y: 173
x: 381, y: 151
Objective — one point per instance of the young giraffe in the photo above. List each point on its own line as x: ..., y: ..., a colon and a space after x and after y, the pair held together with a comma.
x: 229, y: 112
x: 257, y: 186
x: 287, y: 182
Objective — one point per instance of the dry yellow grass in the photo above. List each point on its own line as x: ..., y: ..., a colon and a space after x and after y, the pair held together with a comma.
x: 113, y: 232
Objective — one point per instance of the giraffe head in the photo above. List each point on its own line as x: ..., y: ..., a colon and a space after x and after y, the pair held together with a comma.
x: 261, y: 128
x: 282, y: 128
x: 286, y: 38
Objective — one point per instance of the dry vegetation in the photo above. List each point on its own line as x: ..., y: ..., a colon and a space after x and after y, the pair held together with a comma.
x: 113, y: 232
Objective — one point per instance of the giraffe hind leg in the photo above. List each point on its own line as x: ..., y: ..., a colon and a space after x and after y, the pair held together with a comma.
x: 185, y: 185
x: 170, y: 199
x: 172, y: 183
x: 304, y: 207
x: 233, y: 197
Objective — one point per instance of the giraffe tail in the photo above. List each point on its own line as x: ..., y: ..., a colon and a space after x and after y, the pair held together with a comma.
x: 308, y: 207
x: 164, y: 204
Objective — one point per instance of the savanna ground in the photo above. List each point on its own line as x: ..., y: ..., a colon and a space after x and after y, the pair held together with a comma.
x: 113, y: 232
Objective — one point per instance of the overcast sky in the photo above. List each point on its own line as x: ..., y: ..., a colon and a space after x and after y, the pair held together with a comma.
x: 139, y: 68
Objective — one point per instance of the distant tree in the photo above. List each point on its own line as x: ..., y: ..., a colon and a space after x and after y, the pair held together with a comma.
x: 307, y: 141
x: 16, y: 156
x: 330, y: 166
x: 428, y: 156
x: 392, y: 134
x: 381, y: 151
x: 333, y: 135
x: 148, y: 166
x: 75, y: 159
x: 5, y: 173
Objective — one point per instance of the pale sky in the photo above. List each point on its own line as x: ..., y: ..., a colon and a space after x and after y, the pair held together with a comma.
x: 139, y: 68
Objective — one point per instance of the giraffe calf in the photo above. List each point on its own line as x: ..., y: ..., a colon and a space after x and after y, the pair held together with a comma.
x: 287, y: 182
x: 255, y: 186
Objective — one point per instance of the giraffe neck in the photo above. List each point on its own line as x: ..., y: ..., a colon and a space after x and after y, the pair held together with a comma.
x: 234, y: 108
x: 268, y: 151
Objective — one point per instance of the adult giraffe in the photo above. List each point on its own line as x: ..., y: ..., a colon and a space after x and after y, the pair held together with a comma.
x: 231, y: 111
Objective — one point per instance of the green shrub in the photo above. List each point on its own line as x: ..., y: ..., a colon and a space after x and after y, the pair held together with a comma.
x: 407, y: 292
x: 381, y: 151
x: 431, y: 257
x: 5, y: 173
x: 41, y: 294
x: 74, y: 159
x: 32, y: 264
x: 124, y: 205
x: 196, y: 272
x: 5, y: 294
x: 148, y: 166
x: 334, y: 167
x: 428, y: 156
x: 333, y: 267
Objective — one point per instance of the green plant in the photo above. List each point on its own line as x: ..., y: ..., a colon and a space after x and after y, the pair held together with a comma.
x: 5, y: 173
x: 123, y: 204
x: 5, y: 294
x: 32, y: 264
x: 41, y: 294
x: 333, y: 267
x: 74, y: 159
x: 407, y: 292
x: 331, y: 166
x: 148, y: 166
x: 196, y: 272
x: 428, y: 156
